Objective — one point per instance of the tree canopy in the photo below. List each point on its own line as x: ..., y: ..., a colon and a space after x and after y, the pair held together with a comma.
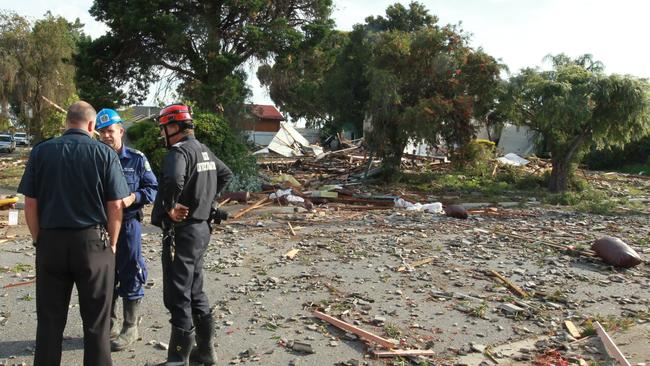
x: 412, y: 78
x: 204, y: 43
x: 36, y: 61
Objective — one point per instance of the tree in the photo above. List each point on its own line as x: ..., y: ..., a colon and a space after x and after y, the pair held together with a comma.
x: 107, y: 84
x: 296, y: 79
x: 426, y: 84
x: 324, y: 78
x: 575, y: 105
x: 14, y: 37
x: 204, y: 43
x: 47, y: 70
x: 413, y: 78
x: 37, y: 62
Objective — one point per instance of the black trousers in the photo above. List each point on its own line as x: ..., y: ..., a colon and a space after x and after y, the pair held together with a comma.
x: 183, y: 273
x: 65, y: 258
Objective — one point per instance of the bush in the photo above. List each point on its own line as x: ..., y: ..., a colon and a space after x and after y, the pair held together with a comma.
x: 637, y: 152
x: 215, y: 133
x: 475, y: 158
x: 144, y: 136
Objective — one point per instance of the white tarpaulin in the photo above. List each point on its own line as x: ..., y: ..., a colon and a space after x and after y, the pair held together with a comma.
x: 513, y: 159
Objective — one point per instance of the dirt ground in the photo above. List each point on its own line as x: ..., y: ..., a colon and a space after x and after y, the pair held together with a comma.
x: 356, y: 265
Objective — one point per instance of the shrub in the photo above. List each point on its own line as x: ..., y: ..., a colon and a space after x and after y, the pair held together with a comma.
x: 215, y: 133
x: 637, y: 152
x: 475, y: 158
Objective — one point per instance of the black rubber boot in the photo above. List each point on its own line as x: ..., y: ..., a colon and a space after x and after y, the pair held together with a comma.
x: 115, y: 326
x: 180, y: 345
x: 204, y: 352
x: 129, y: 333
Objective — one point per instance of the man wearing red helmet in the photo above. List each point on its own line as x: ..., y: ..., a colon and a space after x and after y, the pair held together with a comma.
x: 192, y: 178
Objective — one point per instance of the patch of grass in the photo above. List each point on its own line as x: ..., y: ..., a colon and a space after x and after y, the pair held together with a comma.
x: 304, y: 259
x: 611, y: 323
x: 605, y: 207
x: 337, y: 248
x: 392, y: 330
x: 341, y: 306
x: 272, y: 327
x: 10, y: 176
x: 27, y: 297
x: 18, y: 268
x: 557, y: 296
x: 479, y: 311
x: 266, y: 216
x: 589, y: 201
x: 506, y: 181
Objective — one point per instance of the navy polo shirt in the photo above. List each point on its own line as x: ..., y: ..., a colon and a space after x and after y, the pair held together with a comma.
x: 72, y: 177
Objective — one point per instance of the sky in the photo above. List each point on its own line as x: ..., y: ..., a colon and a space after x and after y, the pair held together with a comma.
x: 518, y: 32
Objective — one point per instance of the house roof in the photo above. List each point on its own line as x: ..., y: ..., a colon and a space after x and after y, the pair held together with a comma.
x: 265, y: 112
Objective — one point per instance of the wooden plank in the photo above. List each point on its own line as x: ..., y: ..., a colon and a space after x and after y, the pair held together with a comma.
x: 19, y: 284
x: 573, y: 330
x: 416, y: 264
x: 292, y: 253
x: 244, y: 211
x: 514, y: 288
x: 612, y: 350
x: 403, y: 353
x: 355, y: 330
x: 293, y: 232
x: 337, y: 152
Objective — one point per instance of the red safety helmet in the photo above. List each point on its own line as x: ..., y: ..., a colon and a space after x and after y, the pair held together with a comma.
x: 174, y: 113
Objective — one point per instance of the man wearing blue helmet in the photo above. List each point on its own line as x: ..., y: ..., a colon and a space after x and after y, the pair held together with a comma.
x: 130, y: 270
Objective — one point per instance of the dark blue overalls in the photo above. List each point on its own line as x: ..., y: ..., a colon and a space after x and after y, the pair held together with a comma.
x: 131, y: 272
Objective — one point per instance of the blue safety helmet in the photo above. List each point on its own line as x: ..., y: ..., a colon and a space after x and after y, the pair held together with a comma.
x: 107, y: 117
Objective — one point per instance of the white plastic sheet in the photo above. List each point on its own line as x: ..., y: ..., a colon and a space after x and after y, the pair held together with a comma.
x: 513, y: 159
x: 434, y: 207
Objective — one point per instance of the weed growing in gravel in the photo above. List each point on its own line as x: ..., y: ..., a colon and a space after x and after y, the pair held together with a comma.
x: 20, y: 267
x: 479, y: 311
x: 610, y: 323
x: 392, y: 330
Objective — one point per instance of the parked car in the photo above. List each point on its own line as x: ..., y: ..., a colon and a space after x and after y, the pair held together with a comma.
x: 21, y: 138
x: 7, y: 143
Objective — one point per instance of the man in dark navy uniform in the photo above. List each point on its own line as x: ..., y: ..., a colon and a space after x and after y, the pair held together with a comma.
x: 73, y: 187
x: 130, y: 269
x: 192, y: 178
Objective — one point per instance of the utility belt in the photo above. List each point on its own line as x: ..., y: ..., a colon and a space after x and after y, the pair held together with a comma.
x: 101, y: 231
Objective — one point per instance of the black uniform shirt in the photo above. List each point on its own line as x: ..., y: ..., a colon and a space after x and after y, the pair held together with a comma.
x: 72, y: 177
x: 192, y: 176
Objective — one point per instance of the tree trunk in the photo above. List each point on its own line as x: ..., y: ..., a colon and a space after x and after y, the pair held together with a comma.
x: 562, y: 164
x: 392, y: 159
x: 560, y: 175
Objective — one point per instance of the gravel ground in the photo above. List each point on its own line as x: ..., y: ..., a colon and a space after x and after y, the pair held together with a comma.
x: 349, y: 266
